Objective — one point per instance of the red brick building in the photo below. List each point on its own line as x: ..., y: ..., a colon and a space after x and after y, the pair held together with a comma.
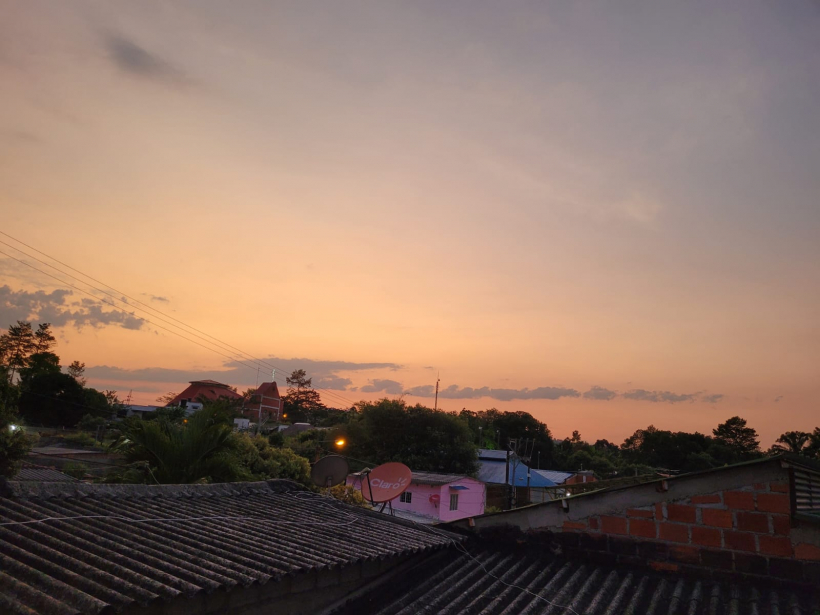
x: 265, y: 404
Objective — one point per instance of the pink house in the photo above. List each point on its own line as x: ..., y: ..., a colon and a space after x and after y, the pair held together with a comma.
x: 438, y: 497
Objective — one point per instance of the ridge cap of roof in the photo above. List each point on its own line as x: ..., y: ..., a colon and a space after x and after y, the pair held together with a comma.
x: 41, y: 490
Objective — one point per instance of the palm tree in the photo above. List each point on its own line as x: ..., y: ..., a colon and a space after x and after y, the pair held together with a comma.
x: 198, y: 449
x: 791, y: 442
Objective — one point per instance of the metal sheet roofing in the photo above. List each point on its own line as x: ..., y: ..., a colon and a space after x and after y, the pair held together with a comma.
x: 495, y: 472
x: 432, y: 478
x: 554, y: 475
x: 494, y: 582
x: 68, y: 548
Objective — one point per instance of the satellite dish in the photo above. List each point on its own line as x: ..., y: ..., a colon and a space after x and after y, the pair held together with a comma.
x: 329, y: 471
x: 386, y: 482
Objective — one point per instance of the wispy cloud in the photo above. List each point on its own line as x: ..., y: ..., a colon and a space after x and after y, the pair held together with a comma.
x: 325, y: 374
x: 391, y: 387
x: 132, y: 59
x: 778, y: 398
x: 712, y: 399
x: 456, y: 392
x: 600, y: 393
x: 659, y: 396
x: 57, y: 308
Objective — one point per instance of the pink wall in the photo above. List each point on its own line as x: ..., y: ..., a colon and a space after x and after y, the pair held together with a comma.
x: 470, y: 500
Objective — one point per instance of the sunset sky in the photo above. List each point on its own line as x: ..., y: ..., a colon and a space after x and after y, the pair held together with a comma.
x: 604, y: 213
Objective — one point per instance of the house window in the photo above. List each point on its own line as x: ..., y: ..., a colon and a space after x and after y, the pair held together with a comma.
x: 406, y: 497
x: 453, y: 501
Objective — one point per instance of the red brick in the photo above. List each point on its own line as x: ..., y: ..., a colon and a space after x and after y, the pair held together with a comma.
x: 574, y: 525
x: 645, y: 528
x: 753, y: 522
x: 716, y: 518
x: 739, y: 541
x: 613, y: 525
x: 773, y: 502
x: 706, y: 499
x: 779, y: 487
x: 782, y: 524
x: 664, y: 566
x: 739, y: 500
x: 779, y: 546
x: 806, y: 551
x: 674, y: 532
x: 706, y: 536
x: 637, y: 512
x: 681, y: 513
x: 593, y: 523
x: 690, y: 555
x: 659, y: 511
x: 759, y: 486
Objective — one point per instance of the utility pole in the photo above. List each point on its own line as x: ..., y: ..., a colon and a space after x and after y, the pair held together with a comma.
x: 437, y: 381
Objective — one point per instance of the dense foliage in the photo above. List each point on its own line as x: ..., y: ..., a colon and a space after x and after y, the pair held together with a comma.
x: 423, y: 439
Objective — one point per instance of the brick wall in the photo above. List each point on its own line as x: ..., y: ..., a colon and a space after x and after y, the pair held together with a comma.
x: 744, y: 530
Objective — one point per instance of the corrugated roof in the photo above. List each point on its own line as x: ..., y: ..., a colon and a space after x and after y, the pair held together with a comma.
x: 554, y: 475
x: 495, y: 472
x: 482, y: 582
x: 43, y: 474
x: 70, y: 547
x: 433, y: 478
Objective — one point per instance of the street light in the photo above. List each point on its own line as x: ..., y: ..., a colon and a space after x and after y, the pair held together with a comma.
x: 340, y: 442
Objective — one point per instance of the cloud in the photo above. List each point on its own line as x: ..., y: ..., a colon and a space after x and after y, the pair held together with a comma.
x: 778, y: 398
x: 157, y: 298
x: 325, y: 374
x: 659, y: 396
x: 712, y: 399
x: 391, y: 387
x: 134, y: 60
x: 600, y: 393
x: 456, y: 392
x: 56, y: 308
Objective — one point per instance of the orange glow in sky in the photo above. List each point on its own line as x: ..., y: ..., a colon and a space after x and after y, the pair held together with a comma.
x: 608, y: 220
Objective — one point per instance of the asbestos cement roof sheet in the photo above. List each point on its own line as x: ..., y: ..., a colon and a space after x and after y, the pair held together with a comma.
x: 495, y: 472
x: 496, y: 582
x: 68, y: 548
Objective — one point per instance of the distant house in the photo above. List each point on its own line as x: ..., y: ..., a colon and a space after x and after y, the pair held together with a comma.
x: 530, y: 485
x: 139, y: 411
x: 435, y: 497
x: 203, y: 389
x: 264, y: 405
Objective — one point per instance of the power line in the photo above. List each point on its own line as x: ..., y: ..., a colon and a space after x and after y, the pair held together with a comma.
x: 259, y: 362
x: 225, y: 345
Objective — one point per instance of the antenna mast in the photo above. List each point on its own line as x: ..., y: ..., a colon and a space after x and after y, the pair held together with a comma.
x: 437, y: 381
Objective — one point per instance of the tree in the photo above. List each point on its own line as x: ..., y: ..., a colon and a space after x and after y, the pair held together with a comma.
x: 301, y: 401
x: 15, y: 443
x: 39, y: 363
x: 77, y: 370
x: 200, y: 450
x: 421, y: 438
x: 742, y: 440
x: 791, y: 442
x: 44, y: 340
x: 264, y: 461
x: 56, y: 399
x: 15, y: 347
x: 167, y: 398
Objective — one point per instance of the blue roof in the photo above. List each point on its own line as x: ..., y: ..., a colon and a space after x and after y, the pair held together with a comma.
x: 495, y: 472
x: 554, y: 475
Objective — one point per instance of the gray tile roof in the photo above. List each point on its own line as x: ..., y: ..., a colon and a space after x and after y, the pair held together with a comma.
x: 43, y: 474
x: 432, y: 478
x: 453, y: 582
x: 68, y: 548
